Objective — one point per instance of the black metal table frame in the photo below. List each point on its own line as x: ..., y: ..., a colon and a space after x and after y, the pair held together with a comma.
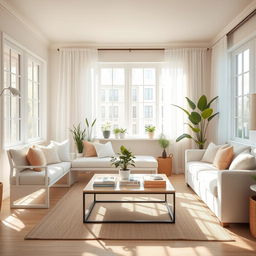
x: 171, y: 212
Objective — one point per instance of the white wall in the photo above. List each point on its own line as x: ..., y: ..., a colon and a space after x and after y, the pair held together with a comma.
x: 23, y: 35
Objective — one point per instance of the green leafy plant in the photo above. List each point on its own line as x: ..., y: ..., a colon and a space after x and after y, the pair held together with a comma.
x: 78, y: 136
x: 199, y: 118
x: 121, y: 130
x: 106, y: 126
x: 116, y: 131
x: 123, y: 159
x: 89, y: 129
x: 164, y: 143
x: 150, y: 128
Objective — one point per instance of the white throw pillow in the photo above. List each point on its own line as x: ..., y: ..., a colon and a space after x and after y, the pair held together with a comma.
x: 244, y: 161
x: 211, y: 152
x: 63, y: 150
x: 50, y: 153
x: 19, y: 157
x: 239, y: 149
x: 104, y: 150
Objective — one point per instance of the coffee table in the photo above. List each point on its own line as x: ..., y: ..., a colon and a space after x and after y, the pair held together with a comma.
x: 128, y: 190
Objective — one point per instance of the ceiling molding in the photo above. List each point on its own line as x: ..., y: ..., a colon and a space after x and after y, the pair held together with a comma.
x: 234, y: 22
x: 54, y: 46
x: 24, y: 21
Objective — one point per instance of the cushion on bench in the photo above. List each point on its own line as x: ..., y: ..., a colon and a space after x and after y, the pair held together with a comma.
x: 30, y: 177
x: 96, y: 162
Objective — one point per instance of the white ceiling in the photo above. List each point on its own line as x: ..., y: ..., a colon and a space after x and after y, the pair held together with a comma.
x: 129, y: 21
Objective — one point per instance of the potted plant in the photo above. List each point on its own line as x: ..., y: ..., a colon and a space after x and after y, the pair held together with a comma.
x: 106, y: 130
x: 1, y: 194
x: 199, y: 118
x: 164, y: 143
x: 89, y: 129
x: 150, y: 130
x: 123, y: 160
x: 78, y: 136
x: 122, y: 133
x: 116, y: 131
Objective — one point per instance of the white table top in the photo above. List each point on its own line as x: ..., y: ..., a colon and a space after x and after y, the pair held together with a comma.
x: 89, y: 188
x: 253, y: 187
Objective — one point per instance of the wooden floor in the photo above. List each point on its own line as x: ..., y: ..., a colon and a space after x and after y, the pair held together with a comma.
x: 15, y: 224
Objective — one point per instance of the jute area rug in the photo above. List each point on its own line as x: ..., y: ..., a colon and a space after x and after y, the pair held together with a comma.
x: 194, y: 221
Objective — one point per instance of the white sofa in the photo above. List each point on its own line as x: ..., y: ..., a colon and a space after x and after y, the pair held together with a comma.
x: 24, y: 181
x: 225, y: 192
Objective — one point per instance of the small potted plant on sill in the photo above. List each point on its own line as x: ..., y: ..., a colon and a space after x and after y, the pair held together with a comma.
x: 150, y: 130
x: 124, y: 159
x: 106, y: 130
x: 122, y: 133
x: 164, y: 143
x: 116, y: 131
x: 78, y: 136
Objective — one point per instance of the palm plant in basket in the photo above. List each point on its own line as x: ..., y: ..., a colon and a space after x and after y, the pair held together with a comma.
x: 123, y: 160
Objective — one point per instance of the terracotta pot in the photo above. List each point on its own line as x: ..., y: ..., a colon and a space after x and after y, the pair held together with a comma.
x: 253, y: 215
x: 1, y: 194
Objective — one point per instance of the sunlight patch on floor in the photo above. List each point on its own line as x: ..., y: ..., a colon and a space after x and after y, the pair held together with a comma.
x: 30, y: 198
x: 13, y: 223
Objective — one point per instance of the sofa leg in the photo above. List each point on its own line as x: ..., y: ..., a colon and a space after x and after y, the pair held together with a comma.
x: 224, y: 224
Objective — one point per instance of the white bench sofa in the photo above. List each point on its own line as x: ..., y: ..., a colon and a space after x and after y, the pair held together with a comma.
x: 24, y: 181
x: 225, y: 192
x: 143, y: 164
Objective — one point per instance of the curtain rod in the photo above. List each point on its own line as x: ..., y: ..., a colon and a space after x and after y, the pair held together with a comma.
x: 242, y: 22
x: 131, y: 49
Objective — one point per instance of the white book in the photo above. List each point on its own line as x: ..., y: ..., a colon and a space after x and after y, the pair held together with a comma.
x: 106, y: 180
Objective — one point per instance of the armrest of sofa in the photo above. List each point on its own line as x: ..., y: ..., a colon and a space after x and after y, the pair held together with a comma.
x: 234, y: 193
x: 194, y: 155
x: 22, y: 167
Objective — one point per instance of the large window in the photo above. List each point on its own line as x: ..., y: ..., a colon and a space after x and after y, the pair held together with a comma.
x: 241, y: 90
x: 129, y: 96
x: 22, y: 115
x: 12, y: 109
x: 34, y: 71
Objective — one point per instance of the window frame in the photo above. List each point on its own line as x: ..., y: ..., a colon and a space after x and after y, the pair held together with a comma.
x: 25, y: 56
x: 251, y: 45
x: 128, y: 102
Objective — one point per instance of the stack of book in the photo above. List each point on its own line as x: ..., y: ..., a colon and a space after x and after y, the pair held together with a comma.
x: 154, y: 181
x: 133, y: 181
x: 106, y: 181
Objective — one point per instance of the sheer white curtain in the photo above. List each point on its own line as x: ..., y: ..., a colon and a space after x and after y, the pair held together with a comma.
x: 185, y: 75
x: 76, y: 97
x: 220, y: 128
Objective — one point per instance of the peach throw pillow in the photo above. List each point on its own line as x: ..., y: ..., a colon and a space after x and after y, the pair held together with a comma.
x: 35, y: 156
x: 223, y: 158
x: 89, y: 149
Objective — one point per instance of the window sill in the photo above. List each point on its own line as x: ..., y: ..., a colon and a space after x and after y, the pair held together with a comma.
x: 127, y: 139
x: 27, y: 144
